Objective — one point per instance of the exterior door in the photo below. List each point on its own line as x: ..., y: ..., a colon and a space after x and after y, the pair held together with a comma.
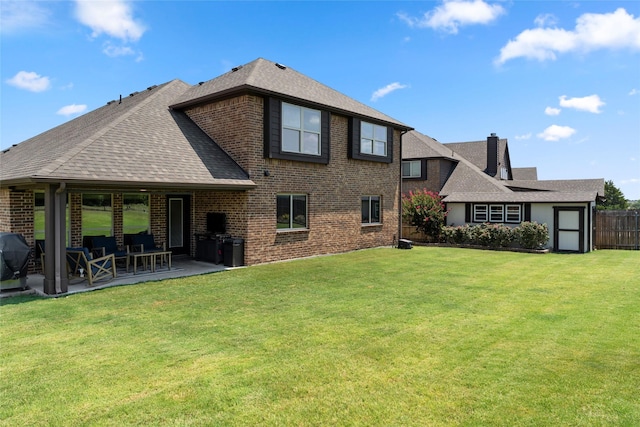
x: 179, y: 225
x: 568, y: 229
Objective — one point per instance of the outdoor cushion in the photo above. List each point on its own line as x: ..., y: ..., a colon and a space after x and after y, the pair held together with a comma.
x: 147, y: 242
x: 110, y: 246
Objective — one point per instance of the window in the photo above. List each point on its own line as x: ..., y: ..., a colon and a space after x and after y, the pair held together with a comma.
x: 291, y: 211
x: 135, y: 213
x: 38, y: 216
x: 371, y: 210
x: 300, y: 130
x: 480, y: 213
x: 373, y: 139
x: 97, y: 214
x: 496, y: 213
x: 514, y: 213
x: 411, y: 169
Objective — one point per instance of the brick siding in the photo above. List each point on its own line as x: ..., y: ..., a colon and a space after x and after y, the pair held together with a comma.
x: 333, y: 190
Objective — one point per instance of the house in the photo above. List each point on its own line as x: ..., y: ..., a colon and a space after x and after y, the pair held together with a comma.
x: 479, y: 185
x: 269, y: 156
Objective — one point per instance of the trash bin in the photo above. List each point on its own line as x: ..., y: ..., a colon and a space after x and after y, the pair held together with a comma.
x: 233, y: 252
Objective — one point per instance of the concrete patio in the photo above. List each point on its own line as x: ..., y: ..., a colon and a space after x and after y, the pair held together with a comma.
x: 181, y: 267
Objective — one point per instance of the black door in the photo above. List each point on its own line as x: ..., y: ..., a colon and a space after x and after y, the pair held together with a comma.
x: 179, y: 224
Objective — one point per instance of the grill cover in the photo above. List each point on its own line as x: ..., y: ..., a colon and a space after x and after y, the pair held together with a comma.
x: 14, y: 256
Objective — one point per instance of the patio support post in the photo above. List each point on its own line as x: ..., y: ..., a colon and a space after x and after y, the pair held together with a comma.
x: 55, y: 273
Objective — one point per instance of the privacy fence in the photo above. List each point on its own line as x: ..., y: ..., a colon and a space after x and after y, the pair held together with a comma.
x: 617, y: 230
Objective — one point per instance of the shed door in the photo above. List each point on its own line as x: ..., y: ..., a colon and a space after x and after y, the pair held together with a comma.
x: 569, y: 229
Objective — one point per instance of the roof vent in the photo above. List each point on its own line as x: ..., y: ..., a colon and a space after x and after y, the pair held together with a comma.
x: 282, y: 67
x: 234, y: 69
x: 493, y: 134
x: 111, y: 102
x: 134, y: 93
x: 200, y: 83
x: 152, y: 87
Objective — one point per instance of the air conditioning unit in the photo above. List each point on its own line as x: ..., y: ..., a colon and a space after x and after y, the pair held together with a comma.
x: 405, y: 244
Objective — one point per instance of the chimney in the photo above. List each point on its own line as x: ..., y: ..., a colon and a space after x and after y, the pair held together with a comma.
x: 492, y: 155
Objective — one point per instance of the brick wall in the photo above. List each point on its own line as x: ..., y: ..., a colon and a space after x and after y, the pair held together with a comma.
x: 16, y: 216
x: 333, y: 190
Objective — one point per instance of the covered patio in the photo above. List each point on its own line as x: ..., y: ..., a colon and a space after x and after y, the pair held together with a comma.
x: 182, y: 266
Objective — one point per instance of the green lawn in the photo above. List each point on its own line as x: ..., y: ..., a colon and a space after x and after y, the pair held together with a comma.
x: 429, y: 336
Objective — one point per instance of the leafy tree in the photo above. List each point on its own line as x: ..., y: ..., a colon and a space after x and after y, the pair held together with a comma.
x: 424, y: 210
x: 614, y: 198
x: 634, y: 204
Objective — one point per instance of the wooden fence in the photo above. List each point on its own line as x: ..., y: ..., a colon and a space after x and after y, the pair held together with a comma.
x: 617, y: 230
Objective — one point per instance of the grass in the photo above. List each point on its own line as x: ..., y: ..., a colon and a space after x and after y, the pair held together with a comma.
x: 430, y: 336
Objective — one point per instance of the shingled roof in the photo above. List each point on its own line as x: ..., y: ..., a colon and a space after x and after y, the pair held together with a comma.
x: 476, y: 151
x: 137, y: 141
x: 465, y: 177
x: 468, y: 183
x: 271, y: 78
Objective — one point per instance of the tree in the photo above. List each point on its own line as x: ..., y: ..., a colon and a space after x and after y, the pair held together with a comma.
x: 634, y: 204
x: 425, y: 211
x: 614, y: 199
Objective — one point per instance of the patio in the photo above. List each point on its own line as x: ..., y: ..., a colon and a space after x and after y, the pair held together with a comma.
x: 182, y: 266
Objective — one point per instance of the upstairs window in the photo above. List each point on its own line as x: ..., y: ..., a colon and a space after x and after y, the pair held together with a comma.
x: 370, y: 210
x: 373, y: 139
x: 296, y: 132
x: 300, y: 130
x: 412, y: 169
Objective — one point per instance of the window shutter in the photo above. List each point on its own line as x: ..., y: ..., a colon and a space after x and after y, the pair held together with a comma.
x: 527, y: 212
x: 467, y: 212
x: 354, y: 138
x: 390, y: 144
x: 272, y: 107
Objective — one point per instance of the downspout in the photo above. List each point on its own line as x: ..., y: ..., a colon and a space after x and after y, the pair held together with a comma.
x: 400, y: 192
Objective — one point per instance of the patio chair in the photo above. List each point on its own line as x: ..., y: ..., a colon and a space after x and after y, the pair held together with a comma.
x: 145, y: 243
x: 80, y: 263
x: 102, y: 245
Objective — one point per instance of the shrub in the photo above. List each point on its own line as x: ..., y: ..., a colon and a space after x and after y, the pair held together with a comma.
x: 492, y: 235
x: 425, y: 211
x: 531, y: 235
x: 457, y: 235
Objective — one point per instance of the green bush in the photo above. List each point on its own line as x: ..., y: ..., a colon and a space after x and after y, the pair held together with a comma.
x: 531, y: 235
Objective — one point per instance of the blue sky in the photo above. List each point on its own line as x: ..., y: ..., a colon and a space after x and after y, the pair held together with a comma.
x: 559, y: 79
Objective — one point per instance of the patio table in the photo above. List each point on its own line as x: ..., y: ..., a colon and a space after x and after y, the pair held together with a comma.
x: 147, y: 258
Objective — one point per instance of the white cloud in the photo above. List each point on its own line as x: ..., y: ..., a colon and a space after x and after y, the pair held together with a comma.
x: 31, y: 81
x: 556, y: 133
x: 386, y: 90
x: 72, y: 109
x: 550, y: 111
x: 590, y: 103
x: 115, y: 51
x: 634, y: 92
x: 616, y: 30
x: 112, y: 17
x: 525, y: 136
x: 545, y: 20
x: 21, y: 15
x: 453, y: 14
